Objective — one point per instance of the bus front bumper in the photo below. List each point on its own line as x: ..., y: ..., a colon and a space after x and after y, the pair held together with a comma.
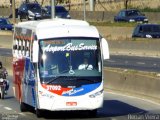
x: 71, y: 103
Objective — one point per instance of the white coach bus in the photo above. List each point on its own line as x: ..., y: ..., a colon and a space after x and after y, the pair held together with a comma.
x: 58, y: 65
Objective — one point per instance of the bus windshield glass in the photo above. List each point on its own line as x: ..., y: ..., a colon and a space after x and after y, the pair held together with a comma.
x: 69, y: 57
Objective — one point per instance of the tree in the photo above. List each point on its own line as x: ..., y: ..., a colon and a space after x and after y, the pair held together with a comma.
x: 42, y: 2
x: 126, y: 3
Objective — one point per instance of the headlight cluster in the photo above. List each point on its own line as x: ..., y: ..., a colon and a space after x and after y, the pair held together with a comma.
x: 96, y: 94
x: 146, y: 19
x: 131, y: 20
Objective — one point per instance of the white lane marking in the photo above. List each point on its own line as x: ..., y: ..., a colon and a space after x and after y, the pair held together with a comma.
x: 7, y: 108
x: 146, y: 100
x: 22, y: 114
x: 141, y: 63
x: 112, y: 61
x: 154, y: 64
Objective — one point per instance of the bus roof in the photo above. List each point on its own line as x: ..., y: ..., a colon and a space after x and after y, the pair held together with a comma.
x: 52, y: 28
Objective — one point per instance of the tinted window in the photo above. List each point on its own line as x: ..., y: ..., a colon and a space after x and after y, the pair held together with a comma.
x: 3, y: 22
x: 136, y: 29
x: 23, y: 7
x: 156, y: 28
x: 151, y: 28
x: 147, y: 28
x: 33, y: 7
x: 60, y: 9
x: 121, y: 14
x: 133, y: 13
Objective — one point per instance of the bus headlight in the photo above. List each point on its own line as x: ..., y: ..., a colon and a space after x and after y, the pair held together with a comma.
x: 96, y: 94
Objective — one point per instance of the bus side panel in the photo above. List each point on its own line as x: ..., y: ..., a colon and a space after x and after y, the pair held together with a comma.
x: 18, y: 68
x: 28, y: 86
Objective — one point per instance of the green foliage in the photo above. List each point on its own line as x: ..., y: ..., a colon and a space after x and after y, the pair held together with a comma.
x: 148, y: 9
x: 109, y: 23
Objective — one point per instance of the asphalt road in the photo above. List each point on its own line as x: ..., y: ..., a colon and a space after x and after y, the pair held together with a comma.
x: 150, y: 64
x: 116, y: 107
x: 5, y: 52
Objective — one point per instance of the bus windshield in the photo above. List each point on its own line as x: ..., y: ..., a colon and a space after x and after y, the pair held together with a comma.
x: 69, y: 57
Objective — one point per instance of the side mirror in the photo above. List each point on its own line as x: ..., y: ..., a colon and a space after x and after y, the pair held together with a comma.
x: 35, y: 52
x: 105, y: 49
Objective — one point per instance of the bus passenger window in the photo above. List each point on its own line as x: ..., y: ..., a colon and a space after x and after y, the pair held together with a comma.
x: 27, y: 48
x: 19, y: 48
x: 15, y: 47
x: 23, y: 47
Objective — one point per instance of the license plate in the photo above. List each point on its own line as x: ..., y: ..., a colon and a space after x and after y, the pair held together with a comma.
x: 71, y: 103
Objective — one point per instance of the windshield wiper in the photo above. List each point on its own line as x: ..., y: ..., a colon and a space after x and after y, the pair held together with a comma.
x: 65, y: 71
x: 84, y: 79
x: 52, y: 80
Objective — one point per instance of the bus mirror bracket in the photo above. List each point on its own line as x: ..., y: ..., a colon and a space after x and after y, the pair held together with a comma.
x: 35, y: 52
x: 105, y: 49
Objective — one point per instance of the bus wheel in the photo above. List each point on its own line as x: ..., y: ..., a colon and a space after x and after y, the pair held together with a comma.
x: 38, y: 113
x: 23, y: 107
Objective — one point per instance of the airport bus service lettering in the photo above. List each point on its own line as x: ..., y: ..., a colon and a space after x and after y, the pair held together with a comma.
x: 69, y: 47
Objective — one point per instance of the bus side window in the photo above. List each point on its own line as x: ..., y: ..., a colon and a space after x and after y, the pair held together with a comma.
x: 19, y: 47
x: 27, y: 48
x: 31, y: 49
x: 15, y: 47
x: 23, y: 47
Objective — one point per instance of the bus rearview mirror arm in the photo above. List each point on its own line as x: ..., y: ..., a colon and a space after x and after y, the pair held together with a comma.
x: 35, y: 52
x: 105, y: 49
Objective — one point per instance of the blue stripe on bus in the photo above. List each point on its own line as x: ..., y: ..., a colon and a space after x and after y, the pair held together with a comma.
x: 29, y: 81
x: 82, y: 90
x: 33, y: 97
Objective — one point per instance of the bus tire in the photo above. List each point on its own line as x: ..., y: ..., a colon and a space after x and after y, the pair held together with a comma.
x: 38, y: 113
x: 23, y: 107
